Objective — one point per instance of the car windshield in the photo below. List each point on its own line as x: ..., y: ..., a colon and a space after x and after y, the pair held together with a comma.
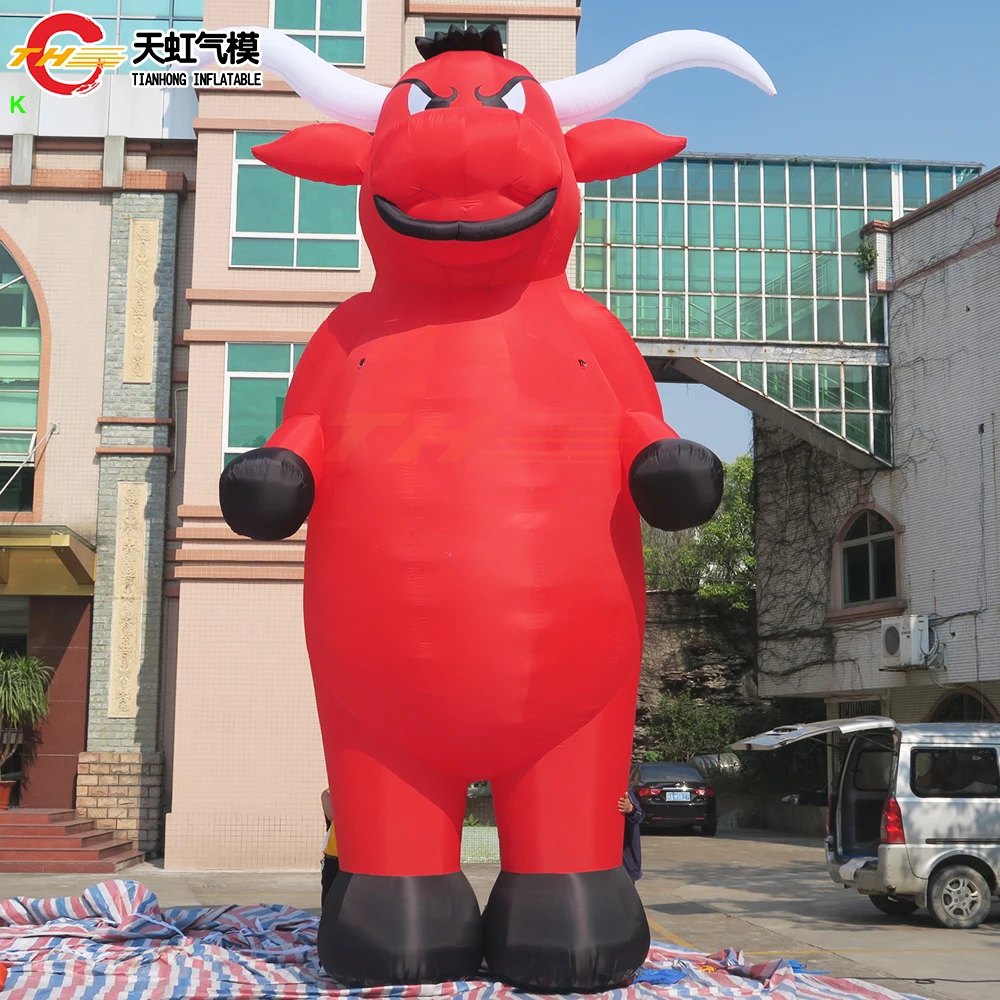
x: 669, y: 772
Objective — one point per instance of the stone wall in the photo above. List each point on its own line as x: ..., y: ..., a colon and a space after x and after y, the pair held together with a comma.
x: 691, y: 647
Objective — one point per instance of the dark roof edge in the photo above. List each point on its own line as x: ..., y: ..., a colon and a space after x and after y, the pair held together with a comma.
x: 799, y: 157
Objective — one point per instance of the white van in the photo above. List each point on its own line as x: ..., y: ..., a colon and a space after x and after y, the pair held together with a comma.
x: 914, y: 817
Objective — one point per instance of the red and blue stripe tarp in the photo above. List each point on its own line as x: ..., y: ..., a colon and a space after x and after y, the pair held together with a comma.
x: 115, y: 943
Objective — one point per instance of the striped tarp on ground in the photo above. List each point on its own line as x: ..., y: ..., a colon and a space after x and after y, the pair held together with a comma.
x: 114, y: 943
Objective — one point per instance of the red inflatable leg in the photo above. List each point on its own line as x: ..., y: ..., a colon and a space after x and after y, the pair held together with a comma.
x: 393, y: 815
x: 400, y: 910
x: 561, y: 814
x: 564, y: 915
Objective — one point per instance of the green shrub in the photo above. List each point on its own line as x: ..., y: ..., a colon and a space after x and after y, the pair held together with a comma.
x: 24, y: 700
x: 716, y: 560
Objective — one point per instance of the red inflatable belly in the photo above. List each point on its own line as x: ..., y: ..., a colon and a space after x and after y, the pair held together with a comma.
x: 509, y: 606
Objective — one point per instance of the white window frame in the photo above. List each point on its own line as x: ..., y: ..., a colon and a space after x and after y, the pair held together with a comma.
x: 868, y: 543
x: 27, y: 458
x: 317, y: 33
x: 294, y: 236
x: 229, y: 376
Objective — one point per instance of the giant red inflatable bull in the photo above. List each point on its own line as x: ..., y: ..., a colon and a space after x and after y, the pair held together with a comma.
x: 473, y: 443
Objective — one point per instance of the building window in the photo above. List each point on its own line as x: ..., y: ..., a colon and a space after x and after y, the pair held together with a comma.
x: 257, y: 379
x: 282, y: 221
x: 120, y: 19
x: 430, y: 27
x: 334, y: 29
x: 854, y: 709
x: 962, y: 706
x: 20, y: 362
x: 867, y: 560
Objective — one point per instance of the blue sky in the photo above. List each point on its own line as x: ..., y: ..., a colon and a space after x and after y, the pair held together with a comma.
x: 896, y: 79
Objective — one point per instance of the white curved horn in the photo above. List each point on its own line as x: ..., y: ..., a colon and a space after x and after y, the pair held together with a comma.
x: 342, y: 96
x: 597, y: 91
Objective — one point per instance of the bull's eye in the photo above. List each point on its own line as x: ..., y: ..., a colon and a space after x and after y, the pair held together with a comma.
x: 511, y: 95
x: 422, y: 98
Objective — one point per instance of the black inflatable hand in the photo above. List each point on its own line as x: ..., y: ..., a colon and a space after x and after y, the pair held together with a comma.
x: 676, y: 484
x: 266, y: 494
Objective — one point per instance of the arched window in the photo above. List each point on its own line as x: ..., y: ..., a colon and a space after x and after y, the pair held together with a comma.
x: 20, y: 362
x: 963, y: 706
x: 866, y: 561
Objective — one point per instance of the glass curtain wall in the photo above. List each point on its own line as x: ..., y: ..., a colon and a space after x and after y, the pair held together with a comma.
x: 758, y: 251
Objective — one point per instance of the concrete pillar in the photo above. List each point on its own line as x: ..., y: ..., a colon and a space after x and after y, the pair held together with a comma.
x: 113, y: 162
x: 22, y: 159
x: 124, y: 742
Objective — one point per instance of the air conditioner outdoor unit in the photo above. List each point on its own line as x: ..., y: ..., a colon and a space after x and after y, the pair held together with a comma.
x: 906, y: 642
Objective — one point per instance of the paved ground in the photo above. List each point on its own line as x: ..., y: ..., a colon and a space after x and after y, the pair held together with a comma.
x: 769, y: 897
x: 774, y: 897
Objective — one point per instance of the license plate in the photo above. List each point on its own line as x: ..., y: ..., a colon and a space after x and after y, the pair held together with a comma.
x: 677, y: 796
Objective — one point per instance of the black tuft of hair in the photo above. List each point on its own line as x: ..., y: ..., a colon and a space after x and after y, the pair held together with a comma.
x: 457, y: 39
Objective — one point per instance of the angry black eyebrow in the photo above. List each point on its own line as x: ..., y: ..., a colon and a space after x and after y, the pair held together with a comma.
x: 496, y: 100
x: 436, y: 100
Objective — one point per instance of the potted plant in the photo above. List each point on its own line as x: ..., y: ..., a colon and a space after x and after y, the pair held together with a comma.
x: 24, y: 701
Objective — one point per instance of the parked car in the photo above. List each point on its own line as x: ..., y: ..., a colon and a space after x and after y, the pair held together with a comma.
x: 914, y: 818
x: 675, y: 795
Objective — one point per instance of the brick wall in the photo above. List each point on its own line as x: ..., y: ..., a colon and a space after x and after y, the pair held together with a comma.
x: 121, y: 792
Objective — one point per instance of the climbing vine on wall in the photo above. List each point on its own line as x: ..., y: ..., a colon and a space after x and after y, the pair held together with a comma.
x: 801, y: 498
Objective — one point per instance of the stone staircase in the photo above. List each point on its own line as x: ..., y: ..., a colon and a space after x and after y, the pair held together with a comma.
x: 57, y: 840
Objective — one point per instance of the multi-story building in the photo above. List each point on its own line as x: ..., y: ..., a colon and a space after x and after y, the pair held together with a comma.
x: 139, y: 359
x: 272, y: 256
x: 853, y: 564
x: 749, y: 266
x: 157, y: 287
x: 96, y: 213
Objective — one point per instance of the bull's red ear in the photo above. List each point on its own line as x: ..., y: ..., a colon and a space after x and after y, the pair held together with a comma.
x: 610, y: 147
x: 332, y: 153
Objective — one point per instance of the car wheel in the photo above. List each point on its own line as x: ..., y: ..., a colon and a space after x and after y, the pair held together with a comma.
x: 959, y: 897
x: 894, y: 906
x: 710, y: 828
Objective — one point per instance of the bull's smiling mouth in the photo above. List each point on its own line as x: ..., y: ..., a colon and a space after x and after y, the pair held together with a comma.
x: 469, y: 232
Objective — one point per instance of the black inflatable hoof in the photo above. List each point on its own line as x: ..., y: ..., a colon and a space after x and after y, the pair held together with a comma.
x: 581, y: 933
x: 266, y: 494
x: 676, y: 484
x: 380, y: 930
